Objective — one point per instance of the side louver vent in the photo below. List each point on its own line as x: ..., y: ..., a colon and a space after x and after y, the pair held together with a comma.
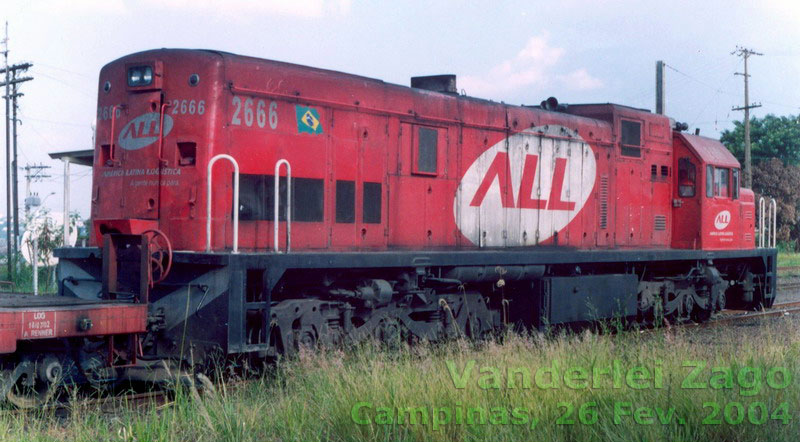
x: 604, y: 201
x: 660, y: 223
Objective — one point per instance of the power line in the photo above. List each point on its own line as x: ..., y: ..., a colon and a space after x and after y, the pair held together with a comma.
x: 49, y: 66
x: 716, y: 89
x: 64, y: 123
x: 82, y: 91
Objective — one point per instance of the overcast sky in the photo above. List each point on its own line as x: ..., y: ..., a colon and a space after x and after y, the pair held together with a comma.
x: 519, y: 52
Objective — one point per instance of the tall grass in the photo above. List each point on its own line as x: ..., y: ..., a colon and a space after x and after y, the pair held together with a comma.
x: 311, y: 398
x: 22, y: 277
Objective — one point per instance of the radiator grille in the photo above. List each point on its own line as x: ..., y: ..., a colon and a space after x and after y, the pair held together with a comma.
x: 748, y: 237
x: 604, y: 201
x: 748, y: 214
x: 660, y: 222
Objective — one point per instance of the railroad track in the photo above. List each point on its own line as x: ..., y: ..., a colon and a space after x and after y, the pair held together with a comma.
x: 112, y: 403
x: 794, y: 285
x: 107, y: 404
x: 782, y: 309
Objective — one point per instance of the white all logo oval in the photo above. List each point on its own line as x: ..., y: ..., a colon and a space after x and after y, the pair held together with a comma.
x: 143, y: 131
x: 722, y: 220
x: 525, y: 189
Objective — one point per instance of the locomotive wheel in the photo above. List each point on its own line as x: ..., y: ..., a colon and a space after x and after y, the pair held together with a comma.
x: 30, y: 397
x: 306, y: 337
x: 34, y: 384
x: 390, y: 333
x: 100, y: 376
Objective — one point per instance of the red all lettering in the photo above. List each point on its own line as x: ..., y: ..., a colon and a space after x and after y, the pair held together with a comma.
x: 558, y: 183
x: 526, y: 189
x: 498, y: 170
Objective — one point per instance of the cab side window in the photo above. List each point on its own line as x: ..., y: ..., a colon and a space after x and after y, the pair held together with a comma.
x: 735, y: 183
x: 718, y: 180
x: 631, y: 139
x: 426, y: 152
x: 721, y: 182
x: 687, y: 178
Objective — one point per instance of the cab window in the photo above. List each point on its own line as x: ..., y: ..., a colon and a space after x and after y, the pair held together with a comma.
x: 687, y: 178
x: 426, y: 153
x: 735, y: 183
x: 721, y: 188
x: 631, y: 142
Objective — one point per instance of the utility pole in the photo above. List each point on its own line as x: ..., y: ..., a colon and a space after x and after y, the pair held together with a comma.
x: 660, y: 94
x: 8, y: 152
x: 748, y: 166
x: 12, y: 190
x: 14, y: 169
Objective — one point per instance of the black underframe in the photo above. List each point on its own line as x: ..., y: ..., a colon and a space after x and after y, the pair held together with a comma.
x: 276, y: 265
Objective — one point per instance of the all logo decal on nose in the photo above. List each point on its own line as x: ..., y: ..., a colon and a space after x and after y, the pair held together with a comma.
x: 143, y: 131
x: 722, y: 220
x: 524, y: 189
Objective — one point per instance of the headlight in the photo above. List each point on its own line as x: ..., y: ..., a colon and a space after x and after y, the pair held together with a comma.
x: 140, y: 75
x: 147, y: 75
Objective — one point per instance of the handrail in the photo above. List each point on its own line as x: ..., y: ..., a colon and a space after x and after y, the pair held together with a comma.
x: 213, y: 160
x: 276, y: 200
x: 767, y: 223
x: 113, y: 123
x: 773, y: 210
x: 761, y: 222
x: 161, y: 134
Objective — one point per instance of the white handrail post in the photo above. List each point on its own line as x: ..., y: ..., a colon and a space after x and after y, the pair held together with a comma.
x: 66, y: 202
x: 235, y: 201
x: 761, y: 222
x: 773, y: 209
x: 276, y: 205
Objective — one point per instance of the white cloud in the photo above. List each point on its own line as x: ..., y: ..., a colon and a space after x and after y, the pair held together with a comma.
x: 534, y: 66
x: 581, y: 80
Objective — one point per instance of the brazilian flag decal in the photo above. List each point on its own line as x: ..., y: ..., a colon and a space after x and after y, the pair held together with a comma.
x: 308, y: 120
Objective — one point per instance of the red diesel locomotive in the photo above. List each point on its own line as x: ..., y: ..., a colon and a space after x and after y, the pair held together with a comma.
x: 248, y: 206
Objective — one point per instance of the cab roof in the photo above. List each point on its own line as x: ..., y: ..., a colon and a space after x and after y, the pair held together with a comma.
x: 709, y: 150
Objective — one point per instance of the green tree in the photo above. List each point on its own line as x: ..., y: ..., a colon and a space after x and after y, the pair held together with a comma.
x: 770, y: 137
x: 773, y: 178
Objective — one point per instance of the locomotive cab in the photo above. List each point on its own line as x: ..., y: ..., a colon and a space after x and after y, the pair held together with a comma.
x: 155, y: 116
x: 711, y: 210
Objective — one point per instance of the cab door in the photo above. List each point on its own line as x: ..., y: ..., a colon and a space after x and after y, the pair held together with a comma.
x: 686, y: 202
x: 722, y: 224
x: 138, y: 148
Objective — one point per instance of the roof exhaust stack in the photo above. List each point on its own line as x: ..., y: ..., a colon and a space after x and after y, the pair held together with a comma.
x: 445, y: 84
x: 552, y: 104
